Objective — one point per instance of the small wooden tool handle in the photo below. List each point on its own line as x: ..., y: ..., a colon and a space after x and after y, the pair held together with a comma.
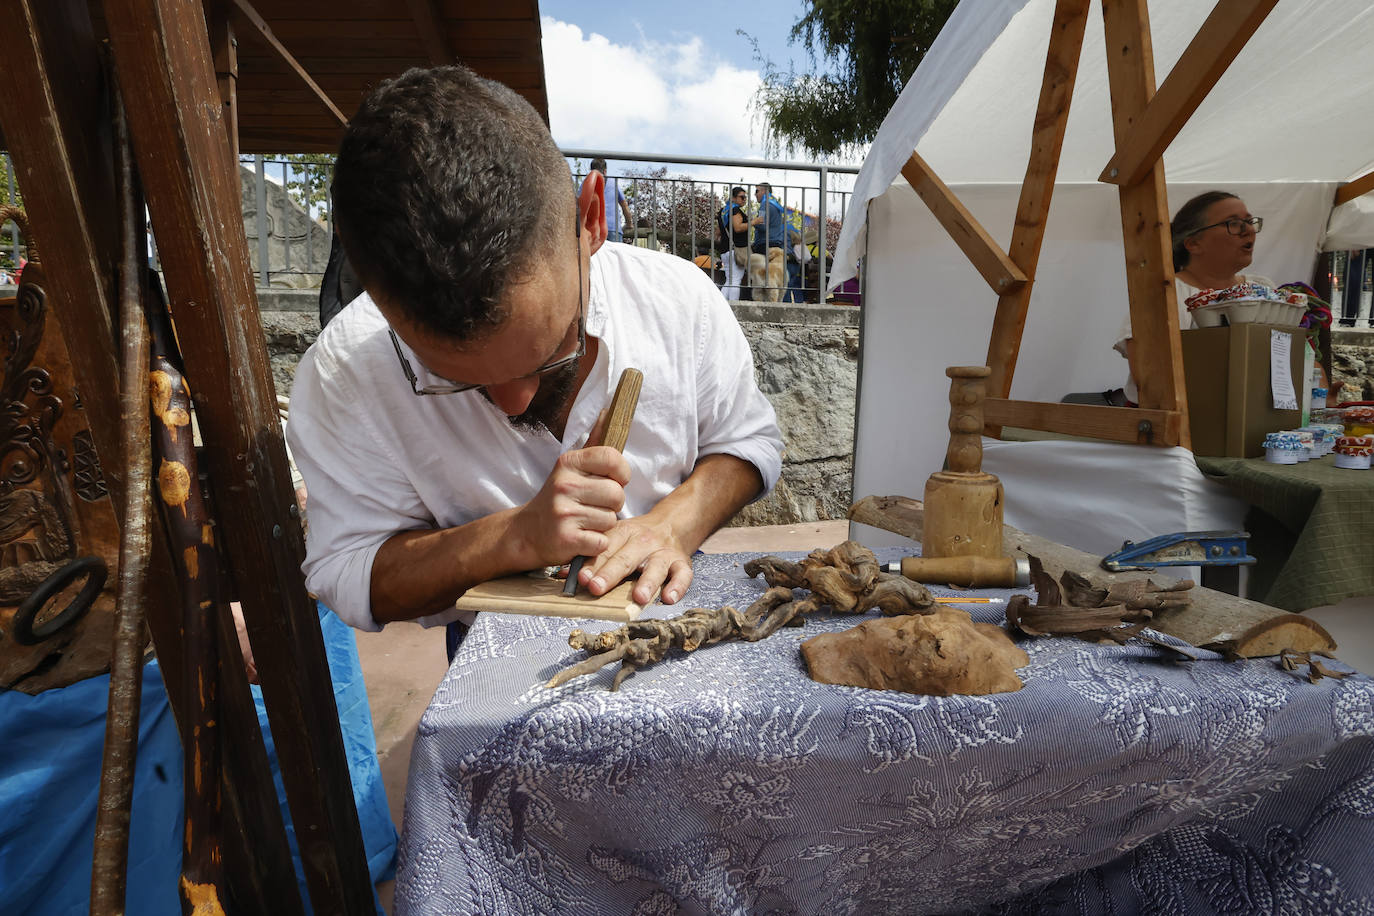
x: 623, y: 406
x: 966, y: 393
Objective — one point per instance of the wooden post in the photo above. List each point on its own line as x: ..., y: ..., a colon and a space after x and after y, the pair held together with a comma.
x: 1145, y: 217
x: 1213, y: 48
x: 225, y: 45
x: 52, y: 110
x: 1047, y: 140
x: 161, y: 50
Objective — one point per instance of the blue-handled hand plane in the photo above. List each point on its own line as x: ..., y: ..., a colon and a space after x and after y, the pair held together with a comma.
x: 1183, y: 548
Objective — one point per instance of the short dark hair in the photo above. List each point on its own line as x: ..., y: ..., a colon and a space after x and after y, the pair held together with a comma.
x: 599, y: 165
x: 446, y: 187
x: 1189, y: 219
x: 736, y: 191
x: 767, y: 188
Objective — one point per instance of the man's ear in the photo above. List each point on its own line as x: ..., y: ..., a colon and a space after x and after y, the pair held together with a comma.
x: 591, y: 209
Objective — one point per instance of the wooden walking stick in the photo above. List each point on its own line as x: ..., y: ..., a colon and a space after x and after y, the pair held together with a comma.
x: 110, y: 861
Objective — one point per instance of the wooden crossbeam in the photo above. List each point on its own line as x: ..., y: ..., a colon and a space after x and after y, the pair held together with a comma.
x: 1115, y: 424
x: 1145, y: 218
x: 265, y: 31
x: 1353, y: 189
x: 431, y: 31
x: 1047, y: 140
x: 1222, y: 35
x: 987, y: 256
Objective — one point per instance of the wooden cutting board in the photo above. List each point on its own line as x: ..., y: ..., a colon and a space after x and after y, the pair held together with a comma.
x: 524, y: 594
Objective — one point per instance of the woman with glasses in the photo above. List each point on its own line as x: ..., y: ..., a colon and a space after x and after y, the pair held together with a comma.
x: 1214, y: 240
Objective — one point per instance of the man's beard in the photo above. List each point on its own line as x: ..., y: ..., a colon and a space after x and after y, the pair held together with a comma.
x: 556, y: 389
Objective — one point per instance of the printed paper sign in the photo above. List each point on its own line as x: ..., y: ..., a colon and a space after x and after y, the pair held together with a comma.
x: 1280, y: 372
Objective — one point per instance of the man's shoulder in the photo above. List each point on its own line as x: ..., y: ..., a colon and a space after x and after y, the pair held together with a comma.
x: 646, y: 270
x: 354, y: 338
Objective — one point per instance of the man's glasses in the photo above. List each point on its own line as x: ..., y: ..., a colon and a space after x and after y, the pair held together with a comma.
x: 553, y: 366
x: 1235, y: 225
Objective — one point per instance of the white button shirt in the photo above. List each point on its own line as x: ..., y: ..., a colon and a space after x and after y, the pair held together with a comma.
x: 378, y: 460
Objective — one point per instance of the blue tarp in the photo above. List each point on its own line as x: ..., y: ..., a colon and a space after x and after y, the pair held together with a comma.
x: 50, y: 750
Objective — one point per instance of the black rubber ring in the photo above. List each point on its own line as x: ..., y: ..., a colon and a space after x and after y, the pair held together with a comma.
x: 25, y: 633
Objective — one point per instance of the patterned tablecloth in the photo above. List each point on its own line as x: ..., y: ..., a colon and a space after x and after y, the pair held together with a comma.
x: 726, y: 781
x: 1310, y: 526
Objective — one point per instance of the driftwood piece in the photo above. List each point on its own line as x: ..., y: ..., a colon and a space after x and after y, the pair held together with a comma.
x: 937, y: 654
x: 846, y: 577
x: 1212, y: 620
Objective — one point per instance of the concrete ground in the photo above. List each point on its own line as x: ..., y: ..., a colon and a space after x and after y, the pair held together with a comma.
x: 404, y: 663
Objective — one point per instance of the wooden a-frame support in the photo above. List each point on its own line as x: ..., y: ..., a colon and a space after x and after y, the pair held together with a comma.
x: 1144, y: 123
x: 56, y: 126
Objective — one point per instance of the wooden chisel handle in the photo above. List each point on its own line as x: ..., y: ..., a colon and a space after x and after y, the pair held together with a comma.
x: 614, y: 434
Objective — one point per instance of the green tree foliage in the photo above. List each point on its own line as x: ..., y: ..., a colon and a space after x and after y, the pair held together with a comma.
x: 869, y: 49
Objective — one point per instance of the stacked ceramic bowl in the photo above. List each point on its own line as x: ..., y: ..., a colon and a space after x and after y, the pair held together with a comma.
x: 1284, y: 448
x: 1246, y: 303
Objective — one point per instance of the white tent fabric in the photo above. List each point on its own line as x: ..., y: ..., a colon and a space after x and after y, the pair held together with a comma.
x: 1281, y: 129
x: 1292, y: 108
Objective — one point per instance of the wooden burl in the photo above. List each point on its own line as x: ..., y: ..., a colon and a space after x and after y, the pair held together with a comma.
x: 963, y: 505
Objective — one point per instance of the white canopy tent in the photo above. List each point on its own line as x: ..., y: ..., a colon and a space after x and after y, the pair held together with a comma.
x: 1283, y: 127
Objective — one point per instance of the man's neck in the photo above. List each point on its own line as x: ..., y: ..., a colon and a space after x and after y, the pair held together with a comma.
x: 584, y: 369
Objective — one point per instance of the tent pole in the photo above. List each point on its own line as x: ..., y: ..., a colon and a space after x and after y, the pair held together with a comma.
x: 1047, y: 140
x: 1145, y: 217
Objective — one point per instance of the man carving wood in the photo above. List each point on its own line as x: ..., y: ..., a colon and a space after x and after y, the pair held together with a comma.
x: 438, y: 419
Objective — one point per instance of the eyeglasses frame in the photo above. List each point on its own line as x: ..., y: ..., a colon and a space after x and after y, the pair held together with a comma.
x: 1254, y: 222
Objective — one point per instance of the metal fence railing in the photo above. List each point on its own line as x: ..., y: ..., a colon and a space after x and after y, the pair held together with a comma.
x: 678, y: 213
x: 1352, y: 288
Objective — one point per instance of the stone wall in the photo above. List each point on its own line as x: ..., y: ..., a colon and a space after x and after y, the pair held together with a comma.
x: 806, y: 361
x: 1352, y: 355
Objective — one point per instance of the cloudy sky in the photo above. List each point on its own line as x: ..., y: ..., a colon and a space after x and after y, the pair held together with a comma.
x: 664, y: 78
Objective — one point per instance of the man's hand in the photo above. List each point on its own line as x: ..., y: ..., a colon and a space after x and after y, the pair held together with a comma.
x: 645, y: 544
x: 576, y: 507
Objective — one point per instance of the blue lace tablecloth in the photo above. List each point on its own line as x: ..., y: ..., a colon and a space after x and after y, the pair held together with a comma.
x: 726, y: 781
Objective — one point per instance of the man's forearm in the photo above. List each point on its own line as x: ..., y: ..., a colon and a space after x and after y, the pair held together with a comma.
x: 417, y: 573
x: 718, y: 487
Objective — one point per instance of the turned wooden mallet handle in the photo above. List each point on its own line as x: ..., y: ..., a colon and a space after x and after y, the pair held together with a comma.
x: 966, y: 393
x: 616, y: 431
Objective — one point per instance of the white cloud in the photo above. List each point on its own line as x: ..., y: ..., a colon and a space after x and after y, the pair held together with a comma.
x: 654, y: 96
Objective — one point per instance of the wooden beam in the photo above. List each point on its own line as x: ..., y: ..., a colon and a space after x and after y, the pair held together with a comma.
x: 1353, y: 189
x: 1047, y: 140
x: 430, y: 28
x: 266, y: 32
x: 1214, y: 619
x: 162, y: 55
x: 1145, y: 218
x: 224, y: 45
x: 987, y: 256
x: 1115, y: 424
x: 1222, y: 35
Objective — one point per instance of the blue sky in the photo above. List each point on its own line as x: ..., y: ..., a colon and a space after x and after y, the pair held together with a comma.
x: 666, y: 78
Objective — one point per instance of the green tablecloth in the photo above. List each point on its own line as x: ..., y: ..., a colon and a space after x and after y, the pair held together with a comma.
x: 1311, y: 528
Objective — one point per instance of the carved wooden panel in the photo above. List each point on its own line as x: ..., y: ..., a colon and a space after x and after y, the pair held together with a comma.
x: 59, y: 538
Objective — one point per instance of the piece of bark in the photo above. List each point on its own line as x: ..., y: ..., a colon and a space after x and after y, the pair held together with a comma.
x: 937, y: 654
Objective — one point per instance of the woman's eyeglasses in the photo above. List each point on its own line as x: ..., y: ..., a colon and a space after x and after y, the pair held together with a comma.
x: 1235, y: 225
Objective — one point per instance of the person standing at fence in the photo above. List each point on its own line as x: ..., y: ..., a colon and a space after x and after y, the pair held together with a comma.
x: 767, y: 263
x: 616, y: 205
x: 732, y: 233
